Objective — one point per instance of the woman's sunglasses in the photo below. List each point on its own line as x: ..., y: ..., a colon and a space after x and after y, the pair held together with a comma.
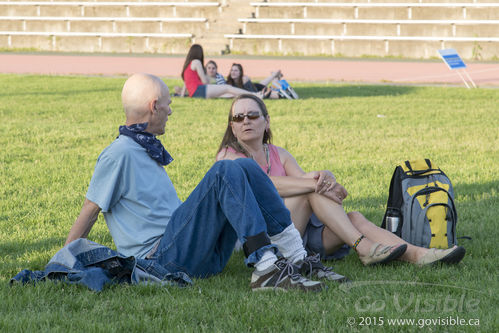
x: 240, y: 117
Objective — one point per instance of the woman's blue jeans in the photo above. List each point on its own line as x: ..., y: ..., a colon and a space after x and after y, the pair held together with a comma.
x: 234, y: 200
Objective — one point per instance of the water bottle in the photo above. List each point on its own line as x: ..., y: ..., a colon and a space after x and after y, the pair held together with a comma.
x: 392, y: 220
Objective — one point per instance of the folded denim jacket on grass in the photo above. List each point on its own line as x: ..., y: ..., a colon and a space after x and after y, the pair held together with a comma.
x: 93, y: 265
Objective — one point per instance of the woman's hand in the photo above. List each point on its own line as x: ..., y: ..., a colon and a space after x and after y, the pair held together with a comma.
x: 337, y: 194
x: 325, y: 181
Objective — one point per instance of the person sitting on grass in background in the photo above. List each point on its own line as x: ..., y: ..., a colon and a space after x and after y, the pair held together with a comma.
x: 248, y: 134
x: 197, y: 82
x: 213, y: 74
x: 234, y: 200
x: 237, y: 79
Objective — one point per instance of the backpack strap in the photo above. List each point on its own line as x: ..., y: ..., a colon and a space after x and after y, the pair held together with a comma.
x: 420, y: 169
x: 408, y: 165
x: 428, y: 162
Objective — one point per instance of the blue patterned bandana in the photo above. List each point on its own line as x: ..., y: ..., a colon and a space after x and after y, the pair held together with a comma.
x: 153, y: 146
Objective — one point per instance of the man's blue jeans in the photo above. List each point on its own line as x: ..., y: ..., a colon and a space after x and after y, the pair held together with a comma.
x: 234, y: 200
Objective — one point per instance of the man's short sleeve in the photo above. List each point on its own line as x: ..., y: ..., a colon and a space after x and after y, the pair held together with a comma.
x: 106, y: 185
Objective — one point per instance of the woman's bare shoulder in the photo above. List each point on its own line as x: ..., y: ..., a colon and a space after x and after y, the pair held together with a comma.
x: 283, y: 153
x: 196, y: 63
x: 227, y: 154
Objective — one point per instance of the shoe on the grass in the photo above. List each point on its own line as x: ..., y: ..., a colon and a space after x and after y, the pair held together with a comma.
x: 312, y: 267
x: 380, y: 254
x: 283, y: 275
x: 448, y: 256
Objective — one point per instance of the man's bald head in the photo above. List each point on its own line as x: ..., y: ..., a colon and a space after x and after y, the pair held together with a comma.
x: 138, y: 95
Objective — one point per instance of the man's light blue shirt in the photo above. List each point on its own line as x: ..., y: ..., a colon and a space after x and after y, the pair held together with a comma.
x: 135, y: 194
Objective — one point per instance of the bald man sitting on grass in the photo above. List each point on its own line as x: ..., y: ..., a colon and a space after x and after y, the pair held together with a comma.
x: 234, y: 200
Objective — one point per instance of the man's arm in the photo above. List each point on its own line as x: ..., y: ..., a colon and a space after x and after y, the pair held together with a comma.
x: 85, y: 221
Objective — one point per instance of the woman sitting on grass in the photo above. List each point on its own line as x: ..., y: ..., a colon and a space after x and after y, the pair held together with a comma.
x: 248, y: 135
x: 197, y: 82
x: 237, y: 79
x: 213, y: 74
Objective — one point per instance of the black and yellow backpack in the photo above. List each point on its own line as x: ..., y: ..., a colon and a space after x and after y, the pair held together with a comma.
x: 422, y: 198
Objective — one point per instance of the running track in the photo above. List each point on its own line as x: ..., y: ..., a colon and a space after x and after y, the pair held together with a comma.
x: 321, y: 70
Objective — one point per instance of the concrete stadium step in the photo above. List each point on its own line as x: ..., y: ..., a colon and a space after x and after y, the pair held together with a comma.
x: 457, y: 28
x: 109, y: 9
x: 417, y: 49
x: 112, y: 44
x: 213, y: 40
x: 213, y: 46
x: 377, y: 10
x: 106, y: 25
x: 382, y: 1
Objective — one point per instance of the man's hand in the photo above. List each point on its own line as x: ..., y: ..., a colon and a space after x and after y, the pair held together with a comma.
x: 337, y: 194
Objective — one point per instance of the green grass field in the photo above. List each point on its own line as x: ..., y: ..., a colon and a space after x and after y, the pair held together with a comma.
x: 53, y: 128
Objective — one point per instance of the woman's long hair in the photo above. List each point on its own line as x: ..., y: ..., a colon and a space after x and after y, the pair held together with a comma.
x: 195, y: 52
x: 229, y: 140
x: 239, y: 81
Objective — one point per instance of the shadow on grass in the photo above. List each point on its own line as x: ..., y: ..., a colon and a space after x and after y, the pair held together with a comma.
x: 352, y: 91
x: 477, y: 189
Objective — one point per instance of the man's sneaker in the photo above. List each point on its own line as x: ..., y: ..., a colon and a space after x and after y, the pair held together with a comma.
x: 283, y: 275
x: 312, y: 267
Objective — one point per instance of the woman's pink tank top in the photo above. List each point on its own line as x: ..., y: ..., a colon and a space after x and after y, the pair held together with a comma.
x: 276, y: 167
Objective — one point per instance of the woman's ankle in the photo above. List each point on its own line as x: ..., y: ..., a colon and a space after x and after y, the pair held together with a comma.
x: 362, y: 245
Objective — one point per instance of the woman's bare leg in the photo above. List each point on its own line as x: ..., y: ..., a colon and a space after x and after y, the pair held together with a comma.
x: 224, y: 90
x: 300, y: 214
x: 380, y: 235
x: 330, y: 241
x: 269, y: 79
x: 341, y: 227
x: 331, y: 214
x: 300, y: 211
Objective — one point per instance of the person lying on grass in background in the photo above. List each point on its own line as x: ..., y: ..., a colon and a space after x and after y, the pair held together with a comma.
x: 236, y: 78
x: 248, y: 134
x: 197, y: 82
x: 147, y: 220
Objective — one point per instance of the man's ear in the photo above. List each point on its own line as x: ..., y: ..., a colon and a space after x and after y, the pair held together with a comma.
x: 152, y: 106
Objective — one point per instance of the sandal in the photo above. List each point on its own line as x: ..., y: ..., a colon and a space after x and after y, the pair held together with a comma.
x: 380, y: 254
x: 448, y: 256
x: 266, y: 92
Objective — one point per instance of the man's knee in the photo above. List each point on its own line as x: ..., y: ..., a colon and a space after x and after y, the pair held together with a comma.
x: 223, y: 166
x: 246, y: 163
x: 250, y: 167
x: 227, y: 168
x: 241, y: 162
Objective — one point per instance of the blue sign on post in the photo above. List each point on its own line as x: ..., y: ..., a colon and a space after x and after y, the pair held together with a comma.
x: 452, y: 59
